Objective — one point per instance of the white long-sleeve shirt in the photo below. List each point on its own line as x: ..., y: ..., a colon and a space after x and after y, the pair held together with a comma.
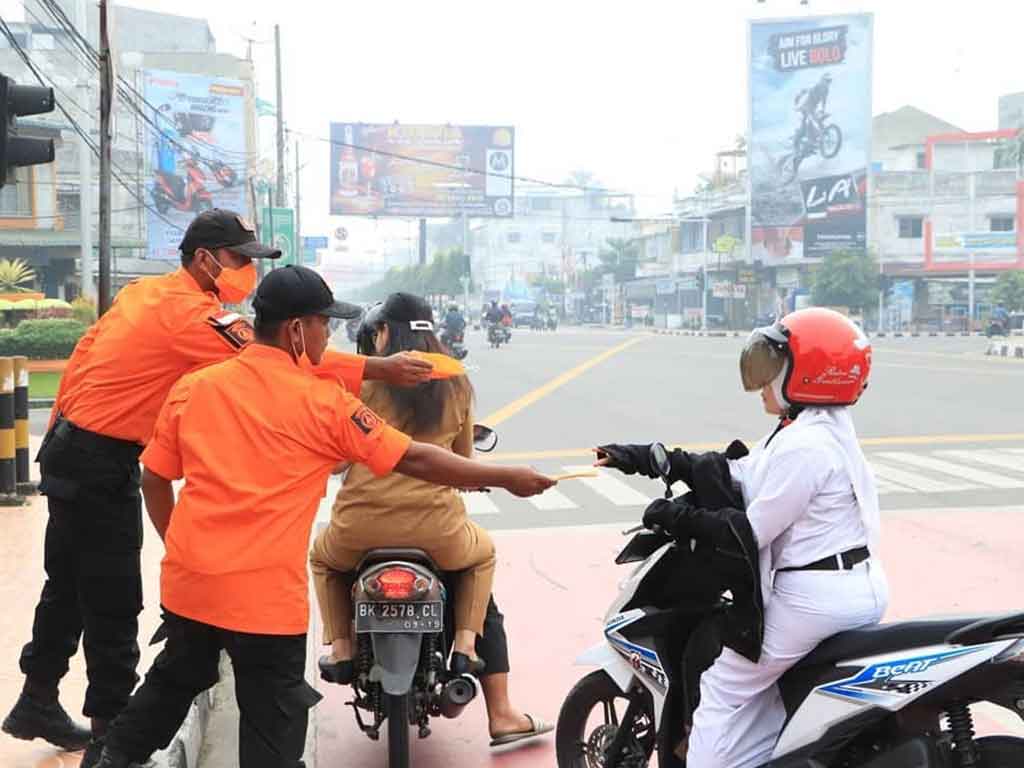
x: 799, y: 496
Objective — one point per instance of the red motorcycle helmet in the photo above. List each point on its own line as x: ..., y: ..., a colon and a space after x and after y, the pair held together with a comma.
x: 829, y: 358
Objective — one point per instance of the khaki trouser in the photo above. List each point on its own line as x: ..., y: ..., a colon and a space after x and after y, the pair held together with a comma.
x: 336, y: 552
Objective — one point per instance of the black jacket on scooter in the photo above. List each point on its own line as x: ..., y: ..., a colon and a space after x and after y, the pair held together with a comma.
x: 713, y: 513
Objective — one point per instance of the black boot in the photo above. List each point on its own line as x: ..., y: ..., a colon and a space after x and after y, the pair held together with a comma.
x: 105, y: 757
x: 341, y: 672
x: 34, y: 718
x: 464, y: 665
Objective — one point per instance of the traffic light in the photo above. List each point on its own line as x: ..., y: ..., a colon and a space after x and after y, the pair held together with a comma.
x: 19, y: 101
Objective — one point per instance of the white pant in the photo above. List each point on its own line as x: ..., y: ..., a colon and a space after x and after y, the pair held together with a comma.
x: 741, y: 713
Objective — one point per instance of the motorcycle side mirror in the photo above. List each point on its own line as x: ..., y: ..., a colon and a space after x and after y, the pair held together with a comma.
x: 661, y: 465
x: 484, y: 438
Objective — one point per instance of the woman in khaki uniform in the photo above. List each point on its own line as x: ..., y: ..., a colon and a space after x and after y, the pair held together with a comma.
x: 396, y: 511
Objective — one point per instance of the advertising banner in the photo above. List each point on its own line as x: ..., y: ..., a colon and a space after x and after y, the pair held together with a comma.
x: 982, y: 246
x: 422, y: 170
x: 196, y: 142
x: 810, y: 135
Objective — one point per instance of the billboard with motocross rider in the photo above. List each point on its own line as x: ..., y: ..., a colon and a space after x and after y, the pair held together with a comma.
x: 196, y: 144
x: 810, y: 135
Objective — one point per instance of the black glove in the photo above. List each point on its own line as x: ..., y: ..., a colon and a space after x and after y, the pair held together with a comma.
x: 628, y: 459
x: 661, y: 513
x: 682, y: 519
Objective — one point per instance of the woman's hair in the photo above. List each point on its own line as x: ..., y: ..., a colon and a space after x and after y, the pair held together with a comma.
x: 410, y: 323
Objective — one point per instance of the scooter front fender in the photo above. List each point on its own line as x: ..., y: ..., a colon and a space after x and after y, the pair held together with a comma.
x: 604, y: 656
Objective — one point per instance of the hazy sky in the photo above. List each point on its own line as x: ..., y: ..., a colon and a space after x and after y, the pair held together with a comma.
x: 640, y: 93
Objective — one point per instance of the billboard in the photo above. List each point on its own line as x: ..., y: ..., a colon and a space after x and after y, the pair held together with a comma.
x: 196, y: 144
x: 421, y: 170
x: 810, y: 135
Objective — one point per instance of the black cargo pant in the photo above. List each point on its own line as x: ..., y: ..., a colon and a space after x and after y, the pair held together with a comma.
x: 270, y: 686
x: 492, y: 645
x: 92, y: 552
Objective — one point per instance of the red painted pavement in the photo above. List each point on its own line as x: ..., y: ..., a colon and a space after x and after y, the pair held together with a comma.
x: 554, y: 586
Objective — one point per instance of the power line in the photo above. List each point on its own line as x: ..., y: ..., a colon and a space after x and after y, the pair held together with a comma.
x: 461, y: 168
x: 78, y: 128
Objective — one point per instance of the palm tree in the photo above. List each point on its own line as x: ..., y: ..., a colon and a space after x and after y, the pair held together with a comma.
x: 15, y: 274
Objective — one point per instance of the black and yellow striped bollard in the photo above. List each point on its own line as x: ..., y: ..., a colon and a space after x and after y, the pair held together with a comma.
x: 22, y: 465
x: 8, y: 459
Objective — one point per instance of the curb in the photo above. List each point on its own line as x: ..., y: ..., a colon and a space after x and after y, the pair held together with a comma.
x: 697, y: 334
x: 1005, y: 349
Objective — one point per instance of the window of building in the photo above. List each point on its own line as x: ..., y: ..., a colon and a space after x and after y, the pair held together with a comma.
x: 921, y: 161
x: 911, y: 227
x: 549, y: 237
x: 1001, y: 223
x: 514, y: 237
x: 15, y: 195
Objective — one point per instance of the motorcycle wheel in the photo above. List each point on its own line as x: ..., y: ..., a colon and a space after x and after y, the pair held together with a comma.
x: 831, y: 141
x: 788, y: 168
x: 580, y: 739
x: 398, y: 730
x: 1000, y: 751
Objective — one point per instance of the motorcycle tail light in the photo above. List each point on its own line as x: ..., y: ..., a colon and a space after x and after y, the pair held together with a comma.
x: 397, y: 583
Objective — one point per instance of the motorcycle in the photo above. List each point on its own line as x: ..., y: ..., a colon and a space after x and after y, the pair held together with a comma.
x: 997, y: 328
x: 867, y: 698
x: 225, y: 175
x: 402, y: 610
x: 825, y: 139
x: 498, y: 334
x: 454, y: 343
x: 183, y: 194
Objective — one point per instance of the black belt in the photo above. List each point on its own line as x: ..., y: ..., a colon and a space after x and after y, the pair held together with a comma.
x: 122, y: 449
x: 842, y: 561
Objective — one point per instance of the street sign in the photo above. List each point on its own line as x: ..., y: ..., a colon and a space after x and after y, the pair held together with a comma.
x: 739, y: 291
x: 722, y: 290
x: 725, y: 244
x: 747, y: 276
x: 277, y: 228
x: 310, y: 246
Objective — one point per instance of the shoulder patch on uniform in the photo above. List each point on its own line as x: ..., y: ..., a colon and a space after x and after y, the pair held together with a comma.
x: 366, y: 420
x: 233, y: 328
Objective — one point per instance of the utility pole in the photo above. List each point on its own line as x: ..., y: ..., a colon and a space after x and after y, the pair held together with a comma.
x: 423, y: 242
x: 280, y: 119
x: 106, y: 103
x: 84, y: 164
x: 298, y: 209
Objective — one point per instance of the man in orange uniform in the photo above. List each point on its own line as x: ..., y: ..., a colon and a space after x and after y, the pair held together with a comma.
x: 157, y: 330
x: 255, y: 439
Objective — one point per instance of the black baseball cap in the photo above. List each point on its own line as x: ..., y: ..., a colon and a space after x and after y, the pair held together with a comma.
x: 294, y: 291
x: 221, y: 228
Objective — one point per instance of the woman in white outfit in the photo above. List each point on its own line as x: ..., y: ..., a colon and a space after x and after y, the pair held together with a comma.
x: 812, y: 503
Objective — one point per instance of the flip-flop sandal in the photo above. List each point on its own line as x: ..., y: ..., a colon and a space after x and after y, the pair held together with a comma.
x: 539, y: 728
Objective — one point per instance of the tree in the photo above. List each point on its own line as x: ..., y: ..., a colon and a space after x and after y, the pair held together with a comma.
x: 1010, y: 153
x: 620, y: 258
x: 15, y: 275
x: 846, y: 279
x: 1009, y: 291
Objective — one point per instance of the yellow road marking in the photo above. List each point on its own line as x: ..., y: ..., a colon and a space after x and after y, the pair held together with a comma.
x: 576, y: 453
x: 510, y: 410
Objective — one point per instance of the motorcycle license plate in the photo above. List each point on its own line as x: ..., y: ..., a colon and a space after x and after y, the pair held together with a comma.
x: 399, y: 617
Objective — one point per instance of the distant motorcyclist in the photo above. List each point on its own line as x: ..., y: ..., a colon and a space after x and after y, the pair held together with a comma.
x: 812, y: 505
x: 506, y: 315
x: 811, y: 103
x: 494, y: 314
x: 454, y: 322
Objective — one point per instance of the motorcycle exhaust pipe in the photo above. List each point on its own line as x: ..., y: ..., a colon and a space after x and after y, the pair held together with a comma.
x: 456, y: 694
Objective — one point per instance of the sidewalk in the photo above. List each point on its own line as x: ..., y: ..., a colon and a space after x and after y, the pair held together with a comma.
x: 21, y: 579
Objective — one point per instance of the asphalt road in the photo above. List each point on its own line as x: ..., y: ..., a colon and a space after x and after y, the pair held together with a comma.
x: 941, y: 423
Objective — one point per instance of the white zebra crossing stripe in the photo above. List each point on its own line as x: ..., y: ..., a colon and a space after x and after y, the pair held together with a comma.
x: 915, y: 481
x: 884, y: 486
x: 958, y: 471
x: 617, y: 492
x: 552, y: 500
x: 987, y: 457
x: 479, y: 504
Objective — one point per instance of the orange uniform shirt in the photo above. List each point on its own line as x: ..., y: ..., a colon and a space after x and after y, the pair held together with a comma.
x: 256, y: 439
x: 157, y: 330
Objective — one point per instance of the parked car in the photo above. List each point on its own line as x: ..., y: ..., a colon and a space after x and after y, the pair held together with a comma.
x: 523, y: 313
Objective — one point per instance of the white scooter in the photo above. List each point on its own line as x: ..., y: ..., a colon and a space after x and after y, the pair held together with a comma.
x: 868, y: 698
